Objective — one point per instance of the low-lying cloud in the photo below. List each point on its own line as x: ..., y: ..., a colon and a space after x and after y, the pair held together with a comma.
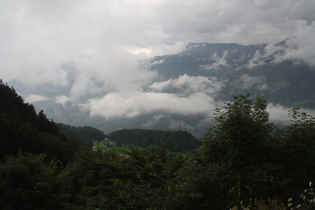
x: 35, y: 98
x: 133, y: 104
x: 188, y: 85
x: 250, y: 82
x: 218, y: 63
x: 280, y: 114
x: 183, y: 95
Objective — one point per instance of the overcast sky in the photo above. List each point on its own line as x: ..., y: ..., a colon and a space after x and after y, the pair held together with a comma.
x: 103, y: 39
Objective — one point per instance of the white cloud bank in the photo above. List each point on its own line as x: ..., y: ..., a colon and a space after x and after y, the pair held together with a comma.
x: 188, y: 85
x: 280, y: 114
x: 114, y: 105
x: 35, y: 98
x: 182, y: 95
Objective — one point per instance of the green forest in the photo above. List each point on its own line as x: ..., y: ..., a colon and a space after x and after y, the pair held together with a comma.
x: 244, y: 162
x: 177, y: 141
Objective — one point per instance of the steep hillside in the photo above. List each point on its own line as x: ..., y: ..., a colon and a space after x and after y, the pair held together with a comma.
x: 84, y: 135
x: 21, y: 128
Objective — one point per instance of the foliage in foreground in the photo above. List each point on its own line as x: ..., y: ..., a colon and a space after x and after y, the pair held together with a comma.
x: 244, y: 161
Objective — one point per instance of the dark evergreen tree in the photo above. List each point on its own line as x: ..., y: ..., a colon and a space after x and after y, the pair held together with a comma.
x: 21, y: 127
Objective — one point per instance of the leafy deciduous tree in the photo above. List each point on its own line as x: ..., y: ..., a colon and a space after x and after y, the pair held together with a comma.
x: 239, y: 143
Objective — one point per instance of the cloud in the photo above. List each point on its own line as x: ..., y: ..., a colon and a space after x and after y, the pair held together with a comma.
x: 35, y: 98
x: 298, y: 46
x: 219, y: 62
x: 238, y: 21
x: 155, y: 120
x: 248, y: 82
x: 114, y: 105
x: 257, y: 60
x: 104, y: 39
x: 172, y: 124
x: 180, y: 125
x: 278, y: 113
x: 301, y: 45
x: 188, y: 85
x: 37, y: 36
x: 62, y: 99
x: 110, y: 71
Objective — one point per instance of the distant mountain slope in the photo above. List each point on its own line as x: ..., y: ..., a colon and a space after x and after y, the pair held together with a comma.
x: 196, y: 59
x: 244, y: 69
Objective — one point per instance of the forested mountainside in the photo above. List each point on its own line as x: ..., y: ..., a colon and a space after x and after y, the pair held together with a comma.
x: 21, y: 128
x: 179, y: 141
x: 31, y: 132
x: 244, y: 161
x: 84, y: 135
